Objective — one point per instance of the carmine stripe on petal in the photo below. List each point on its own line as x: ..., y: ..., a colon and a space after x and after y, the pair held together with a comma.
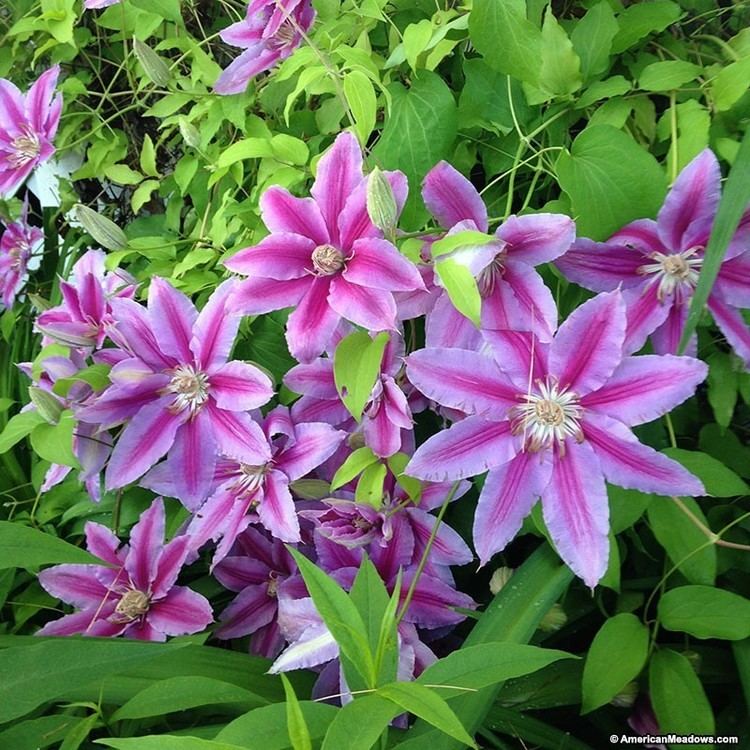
x: 733, y: 326
x: 601, y: 266
x: 537, y: 238
x: 733, y: 281
x: 251, y: 610
x: 645, y: 313
x: 537, y: 308
x: 192, y: 459
x: 238, y: 436
x: 277, y: 511
x: 519, y: 355
x: 311, y: 326
x: 75, y: 584
x: 181, y: 612
x: 146, y: 542
x: 170, y: 562
x: 374, y: 309
x: 257, y: 296
x: 666, y: 338
x: 451, y: 198
x: 172, y: 316
x: 238, y: 386
x: 283, y: 212
x: 215, y: 328
x: 313, y: 444
x: 376, y: 263
x: 281, y: 255
x: 382, y: 436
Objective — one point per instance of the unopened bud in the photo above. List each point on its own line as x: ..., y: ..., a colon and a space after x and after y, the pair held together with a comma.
x: 381, y: 203
x: 47, y: 405
x: 189, y: 132
x: 153, y: 66
x: 626, y: 697
x: 104, y: 231
x: 553, y: 620
x: 499, y: 578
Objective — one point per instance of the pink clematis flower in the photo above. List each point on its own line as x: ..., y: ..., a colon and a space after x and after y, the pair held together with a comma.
x: 92, y: 4
x: 553, y: 421
x: 176, y: 391
x: 17, y: 245
x: 270, y: 32
x: 325, y: 256
x: 85, y: 315
x: 513, y: 294
x: 28, y: 123
x: 657, y: 263
x: 134, y: 592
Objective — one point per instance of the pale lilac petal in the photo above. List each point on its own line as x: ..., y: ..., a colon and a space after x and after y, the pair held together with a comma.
x: 645, y: 387
x: 501, y: 309
x: 238, y: 386
x: 509, y: 493
x: 39, y: 101
x: 315, y: 646
x: 100, y: 541
x: 172, y: 316
x: 146, y: 542
x: 373, y: 309
x: 281, y: 256
x: 733, y: 326
x: 447, y: 327
x: 576, y: 512
x: 434, y: 602
x: 338, y: 174
x: 519, y: 355
x: 250, y: 63
x: 382, y: 436
x: 645, y: 313
x: 601, y: 266
x: 463, y: 380
x: 688, y: 212
x: 376, y: 263
x: 257, y: 296
x: 314, y: 443
x: 12, y: 113
x: 537, y: 238
x: 118, y: 404
x: 396, y: 404
x: 132, y: 331
x: 238, y: 436
x: 208, y: 522
x: 181, y: 612
x: 468, y: 448
x: 451, y: 198
x: 666, y: 338
x: 276, y: 510
x: 75, y: 584
x: 311, y: 326
x: 215, y: 328
x: 733, y: 281
x: 283, y: 212
x: 315, y: 379
x: 75, y: 624
x: 536, y: 306
x: 252, y: 609
x: 143, y: 442
x: 588, y: 346
x: 192, y: 459
x: 170, y: 562
x: 309, y: 409
x: 238, y: 573
x: 448, y: 548
x: 628, y: 463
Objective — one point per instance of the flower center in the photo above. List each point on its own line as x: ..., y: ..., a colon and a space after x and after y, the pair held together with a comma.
x: 272, y: 586
x: 26, y: 148
x: 17, y: 254
x: 251, y: 478
x: 677, y: 272
x: 285, y: 35
x: 190, y: 387
x: 132, y: 605
x: 491, y: 275
x: 327, y: 260
x: 547, y: 417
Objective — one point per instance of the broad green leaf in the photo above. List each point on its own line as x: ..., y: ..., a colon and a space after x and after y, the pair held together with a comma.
x: 730, y: 84
x: 509, y: 42
x: 356, y: 365
x: 182, y: 693
x: 416, y: 38
x: 668, y: 75
x: 167, y: 9
x: 706, y: 612
x: 40, y: 672
x: 532, y: 731
x: 167, y: 742
x: 617, y: 655
x: 718, y: 480
x: 734, y: 199
x: 35, y: 734
x: 249, y: 148
x: 290, y: 150
x: 462, y: 289
x: 122, y: 174
x: 54, y: 442
x: 24, y: 547
x: 678, y: 698
x: 360, y: 94
x: 359, y: 724
x: 614, y: 86
x: 681, y: 538
x: 428, y: 706
x: 485, y: 99
x: 741, y: 651
x: 18, y: 427
x: 626, y: 507
x: 299, y: 735
x: 560, y: 72
x: 262, y: 724
x: 356, y: 462
x: 641, y: 19
x: 466, y: 239
x: 592, y: 38
x: 370, y: 486
x: 610, y: 181
x: 418, y: 133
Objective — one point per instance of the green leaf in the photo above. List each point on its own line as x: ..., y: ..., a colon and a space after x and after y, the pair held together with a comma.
x: 485, y: 99
x: 466, y: 239
x: 418, y: 133
x: 18, y: 427
x: 358, y: 724
x: 617, y: 655
x: 370, y: 486
x: 626, y: 507
x: 610, y: 180
x: 641, y: 19
x: 681, y: 538
x: 427, y: 705
x: 182, y: 693
x: 668, y: 75
x: 153, y: 66
x: 462, y: 289
x: 54, y: 442
x: 24, y: 547
x: 122, y: 174
x: 290, y: 150
x: 103, y: 230
x: 678, y: 698
x: 248, y: 148
x: 730, y: 84
x: 97, y: 376
x: 508, y: 41
x: 614, y: 86
x: 356, y: 462
x: 706, y: 612
x: 734, y: 199
x: 356, y: 366
x: 148, y: 157
x: 167, y: 742
x: 560, y: 72
x: 39, y: 733
x: 360, y: 94
x: 299, y: 734
x: 35, y: 674
x: 416, y: 38
x: 142, y: 194
x: 592, y: 39
x: 718, y: 480
x: 167, y: 9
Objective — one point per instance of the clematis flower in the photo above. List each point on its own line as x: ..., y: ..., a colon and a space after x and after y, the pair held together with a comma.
x: 553, y: 421
x: 85, y: 315
x: 28, y: 123
x: 270, y: 32
x: 177, y: 393
x: 658, y: 263
x: 133, y: 593
x: 325, y: 256
x: 92, y: 4
x: 513, y: 294
x: 18, y: 243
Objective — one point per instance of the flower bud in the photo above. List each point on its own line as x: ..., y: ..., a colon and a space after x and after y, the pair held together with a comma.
x: 499, y: 578
x: 47, y: 405
x: 189, y: 132
x: 626, y: 697
x: 153, y: 66
x: 381, y: 203
x: 104, y: 231
x: 553, y: 620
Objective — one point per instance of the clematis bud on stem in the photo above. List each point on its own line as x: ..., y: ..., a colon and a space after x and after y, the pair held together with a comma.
x: 381, y: 203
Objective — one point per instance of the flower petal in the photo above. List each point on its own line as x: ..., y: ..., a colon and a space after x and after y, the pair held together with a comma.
x: 628, y: 463
x: 192, y: 459
x: 250, y: 63
x: 376, y: 263
x: 313, y: 444
x: 519, y: 355
x: 252, y: 609
x: 315, y: 379
x: 281, y: 255
x: 215, y: 328
x: 382, y: 436
x: 238, y: 386
x: 434, y: 602
x: 172, y: 316
x: 75, y: 584
x: 451, y: 198
x: 238, y: 436
x: 100, y: 541
x: 132, y: 332
x: 448, y: 548
x: 311, y: 326
x: 181, y: 612
x: 576, y: 512
x: 374, y: 309
x: 146, y: 542
x: 733, y: 281
x: 601, y: 266
x: 733, y: 326
x: 666, y: 338
x: 537, y: 238
x: 588, y: 346
x: 447, y: 327
x: 257, y: 296
x: 170, y: 562
x: 645, y: 313
x: 284, y: 212
x: 276, y: 510
x: 645, y: 387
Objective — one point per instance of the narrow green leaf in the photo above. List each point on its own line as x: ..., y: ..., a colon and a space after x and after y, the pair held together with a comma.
x: 706, y: 612
x: 249, y: 148
x: 24, y: 547
x: 153, y: 66
x: 641, y: 19
x: 167, y: 742
x: 718, y: 480
x: 299, y: 735
x: 356, y: 365
x: 360, y: 94
x: 103, y: 230
x: 359, y: 724
x: 356, y: 462
x: 462, y: 289
x: 370, y: 486
x: 668, y: 75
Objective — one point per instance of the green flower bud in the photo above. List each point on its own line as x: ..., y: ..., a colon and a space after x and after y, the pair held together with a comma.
x: 553, y: 620
x: 499, y: 578
x: 104, y: 231
x: 381, y: 203
x: 47, y: 405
